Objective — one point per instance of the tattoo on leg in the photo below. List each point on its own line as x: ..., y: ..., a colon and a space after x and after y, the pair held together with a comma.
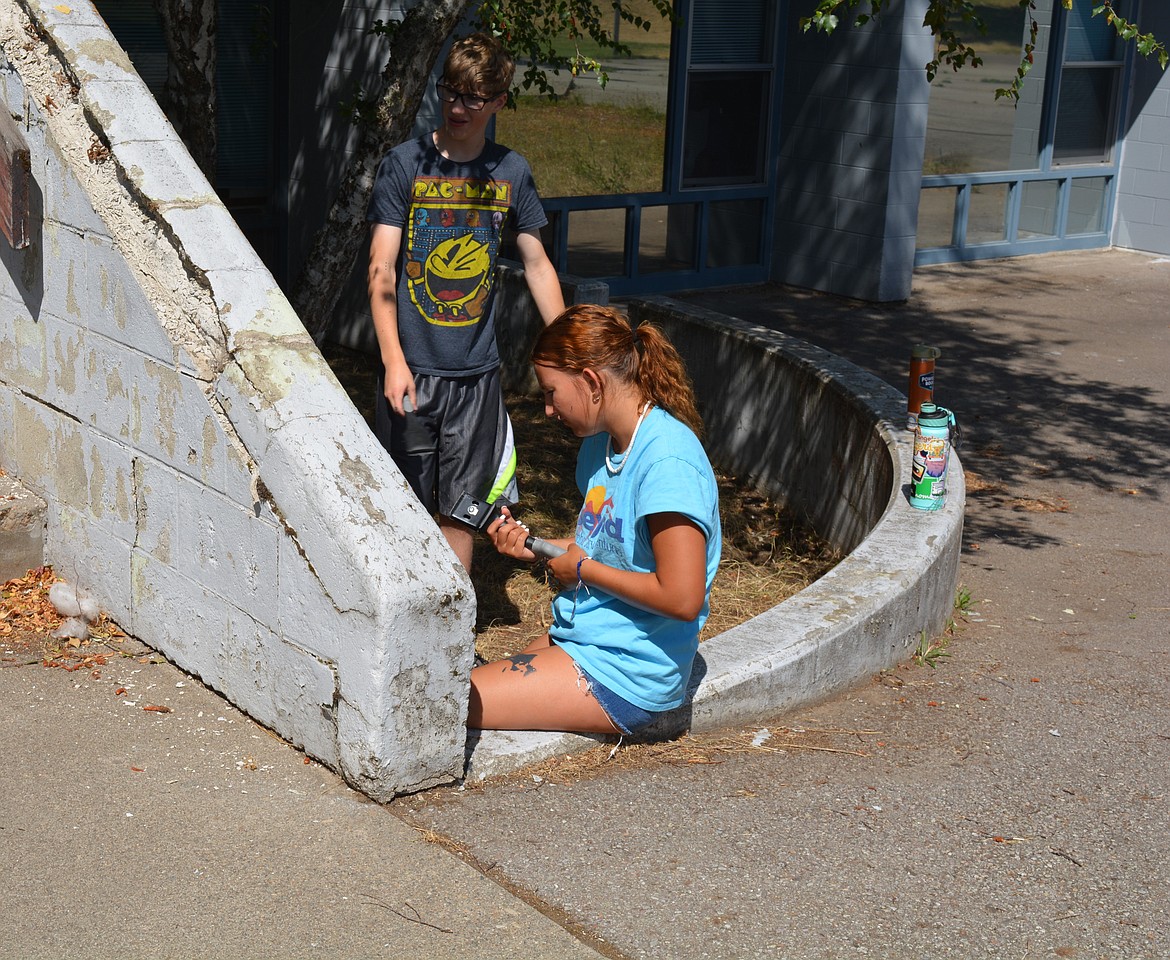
x: 521, y: 662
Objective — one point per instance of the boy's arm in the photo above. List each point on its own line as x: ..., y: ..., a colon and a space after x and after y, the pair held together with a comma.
x: 541, y: 276
x: 385, y: 242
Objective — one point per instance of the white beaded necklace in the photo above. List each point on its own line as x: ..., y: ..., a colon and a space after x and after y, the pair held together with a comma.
x: 617, y: 468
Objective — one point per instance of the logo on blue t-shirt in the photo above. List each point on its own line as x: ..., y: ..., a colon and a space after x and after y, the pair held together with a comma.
x: 597, y: 516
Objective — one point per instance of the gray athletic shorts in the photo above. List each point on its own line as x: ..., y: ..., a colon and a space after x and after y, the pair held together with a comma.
x: 458, y: 440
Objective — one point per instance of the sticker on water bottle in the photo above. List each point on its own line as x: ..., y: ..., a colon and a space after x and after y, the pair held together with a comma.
x: 928, y: 478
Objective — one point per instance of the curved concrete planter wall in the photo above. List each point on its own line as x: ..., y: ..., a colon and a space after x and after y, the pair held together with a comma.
x: 829, y: 440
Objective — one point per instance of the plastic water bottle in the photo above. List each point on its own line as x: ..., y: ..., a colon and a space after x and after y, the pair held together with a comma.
x: 932, y: 452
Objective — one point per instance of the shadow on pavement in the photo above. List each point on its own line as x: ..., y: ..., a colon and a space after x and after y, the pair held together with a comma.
x: 1025, y: 422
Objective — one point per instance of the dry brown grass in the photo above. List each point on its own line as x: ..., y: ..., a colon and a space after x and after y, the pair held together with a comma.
x: 768, y: 554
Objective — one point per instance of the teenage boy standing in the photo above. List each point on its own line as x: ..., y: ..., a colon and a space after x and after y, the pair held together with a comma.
x: 437, y: 211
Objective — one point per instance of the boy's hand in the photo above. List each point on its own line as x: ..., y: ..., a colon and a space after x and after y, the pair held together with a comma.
x: 399, y: 386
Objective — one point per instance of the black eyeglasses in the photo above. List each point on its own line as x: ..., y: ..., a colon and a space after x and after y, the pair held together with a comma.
x: 449, y: 94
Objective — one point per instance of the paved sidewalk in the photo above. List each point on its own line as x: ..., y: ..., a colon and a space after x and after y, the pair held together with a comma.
x: 1010, y: 803
x: 128, y: 832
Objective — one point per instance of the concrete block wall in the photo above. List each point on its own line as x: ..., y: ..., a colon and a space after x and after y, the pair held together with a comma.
x: 22, y: 530
x: 853, y: 133
x: 1028, y: 120
x: 206, y: 477
x: 793, y: 420
x: 1142, y: 213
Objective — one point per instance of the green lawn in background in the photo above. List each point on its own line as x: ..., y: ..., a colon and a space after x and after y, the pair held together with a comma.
x: 652, y: 44
x: 578, y: 149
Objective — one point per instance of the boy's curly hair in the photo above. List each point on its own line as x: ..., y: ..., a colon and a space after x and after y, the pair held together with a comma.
x: 479, y: 64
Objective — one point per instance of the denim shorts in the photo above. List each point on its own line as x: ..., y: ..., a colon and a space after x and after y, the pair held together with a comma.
x: 627, y: 717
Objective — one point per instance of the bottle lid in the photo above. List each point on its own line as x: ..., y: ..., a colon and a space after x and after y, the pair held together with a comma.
x: 923, y: 351
x: 932, y: 415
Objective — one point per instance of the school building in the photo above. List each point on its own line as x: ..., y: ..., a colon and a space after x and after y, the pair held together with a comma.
x: 825, y: 162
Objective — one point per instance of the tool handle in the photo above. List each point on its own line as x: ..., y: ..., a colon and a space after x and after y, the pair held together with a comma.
x: 543, y: 547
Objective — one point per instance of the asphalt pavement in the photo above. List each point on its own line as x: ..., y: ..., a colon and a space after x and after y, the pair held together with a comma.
x: 1009, y: 802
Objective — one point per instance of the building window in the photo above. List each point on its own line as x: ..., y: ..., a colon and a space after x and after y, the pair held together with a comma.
x: 728, y: 94
x: 1090, y: 80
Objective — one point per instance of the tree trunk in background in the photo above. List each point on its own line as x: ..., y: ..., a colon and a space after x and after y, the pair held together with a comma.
x: 189, y: 27
x: 414, y: 48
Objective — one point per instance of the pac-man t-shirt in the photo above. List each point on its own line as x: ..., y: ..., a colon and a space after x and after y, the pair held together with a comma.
x: 642, y: 656
x: 451, y: 215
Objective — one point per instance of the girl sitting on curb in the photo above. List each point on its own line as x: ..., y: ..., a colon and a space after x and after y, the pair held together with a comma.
x: 637, y: 576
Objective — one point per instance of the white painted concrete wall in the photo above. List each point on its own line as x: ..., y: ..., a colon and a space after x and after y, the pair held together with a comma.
x: 207, y: 477
x: 1142, y: 220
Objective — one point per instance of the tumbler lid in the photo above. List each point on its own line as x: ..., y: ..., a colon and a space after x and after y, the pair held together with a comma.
x: 932, y: 415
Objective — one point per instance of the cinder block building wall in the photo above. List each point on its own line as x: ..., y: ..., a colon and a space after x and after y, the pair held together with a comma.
x: 1142, y: 213
x: 207, y: 478
x: 854, y: 129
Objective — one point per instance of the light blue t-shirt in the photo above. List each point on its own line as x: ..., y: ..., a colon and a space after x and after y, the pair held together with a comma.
x: 643, y: 657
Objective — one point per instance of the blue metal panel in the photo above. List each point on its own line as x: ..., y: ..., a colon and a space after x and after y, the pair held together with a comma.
x: 633, y: 280
x: 1019, y: 248
x: 1064, y: 177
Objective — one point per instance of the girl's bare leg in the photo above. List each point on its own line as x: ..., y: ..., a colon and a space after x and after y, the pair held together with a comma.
x: 538, y: 689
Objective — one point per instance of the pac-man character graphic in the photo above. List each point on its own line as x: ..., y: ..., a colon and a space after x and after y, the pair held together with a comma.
x: 457, y: 277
